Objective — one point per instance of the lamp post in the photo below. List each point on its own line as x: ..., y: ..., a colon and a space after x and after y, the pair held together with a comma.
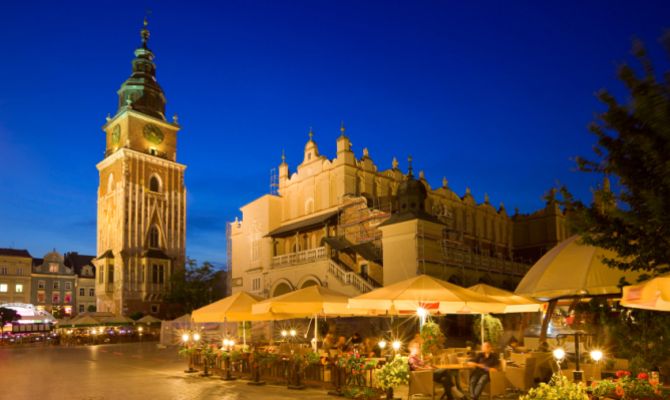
x: 577, y: 374
x: 190, y: 341
x: 228, y: 345
x: 140, y: 330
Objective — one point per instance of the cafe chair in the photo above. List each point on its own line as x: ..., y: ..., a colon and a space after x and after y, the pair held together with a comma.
x: 522, y: 377
x: 421, y: 383
x: 498, y: 384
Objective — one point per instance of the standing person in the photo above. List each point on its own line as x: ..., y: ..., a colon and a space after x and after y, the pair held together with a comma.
x: 483, y: 362
x: 440, y: 375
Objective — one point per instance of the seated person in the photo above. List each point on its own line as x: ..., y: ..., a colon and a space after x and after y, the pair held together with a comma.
x: 440, y: 375
x: 483, y: 362
x: 341, y: 344
x: 328, y: 342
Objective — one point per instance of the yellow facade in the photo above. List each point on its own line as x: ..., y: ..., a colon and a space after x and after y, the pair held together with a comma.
x: 141, y: 230
x: 330, y: 224
x: 15, y: 283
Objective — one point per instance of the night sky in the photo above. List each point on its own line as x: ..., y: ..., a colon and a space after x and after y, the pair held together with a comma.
x: 494, y: 96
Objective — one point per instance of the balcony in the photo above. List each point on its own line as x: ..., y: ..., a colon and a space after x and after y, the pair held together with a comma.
x: 301, y: 257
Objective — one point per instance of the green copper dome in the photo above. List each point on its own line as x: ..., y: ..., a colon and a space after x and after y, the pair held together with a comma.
x: 141, y: 91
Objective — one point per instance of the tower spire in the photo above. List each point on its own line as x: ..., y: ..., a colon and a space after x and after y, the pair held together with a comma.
x: 144, y: 33
x: 410, y: 173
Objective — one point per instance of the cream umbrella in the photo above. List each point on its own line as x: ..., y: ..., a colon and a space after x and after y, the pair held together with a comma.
x: 311, y: 301
x: 572, y: 269
x: 513, y: 302
x: 653, y: 294
x: 426, y: 293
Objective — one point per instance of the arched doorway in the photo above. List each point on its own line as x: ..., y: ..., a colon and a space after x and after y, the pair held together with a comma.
x: 282, y: 288
x: 309, y: 283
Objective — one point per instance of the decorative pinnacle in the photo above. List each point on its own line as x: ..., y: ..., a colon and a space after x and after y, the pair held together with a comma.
x: 486, y: 198
x: 145, y: 33
x: 311, y: 133
x: 422, y: 175
x: 394, y: 163
x: 283, y: 156
x: 445, y: 182
x: 409, y: 166
x: 342, y: 128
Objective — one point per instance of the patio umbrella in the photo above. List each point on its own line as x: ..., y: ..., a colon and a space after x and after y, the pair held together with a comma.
x: 310, y: 301
x: 653, y: 294
x: 149, y: 319
x: 513, y: 302
x: 432, y: 294
x: 572, y: 269
x: 236, y: 307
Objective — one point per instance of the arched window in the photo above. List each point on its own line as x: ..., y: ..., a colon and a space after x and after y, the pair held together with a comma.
x: 154, y: 184
x: 153, y: 237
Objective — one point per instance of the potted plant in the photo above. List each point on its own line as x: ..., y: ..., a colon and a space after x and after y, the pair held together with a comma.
x: 559, y: 387
x: 432, y: 337
x: 393, y: 374
x: 627, y: 387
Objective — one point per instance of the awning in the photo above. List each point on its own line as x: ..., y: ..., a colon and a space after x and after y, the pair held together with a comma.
x: 305, y: 224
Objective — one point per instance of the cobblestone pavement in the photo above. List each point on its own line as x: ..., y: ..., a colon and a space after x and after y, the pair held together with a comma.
x: 123, y: 371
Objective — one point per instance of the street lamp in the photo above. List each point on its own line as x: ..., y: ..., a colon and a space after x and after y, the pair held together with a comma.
x: 396, y: 345
x: 422, y: 313
x: 559, y: 354
x: 187, y: 341
x: 596, y: 355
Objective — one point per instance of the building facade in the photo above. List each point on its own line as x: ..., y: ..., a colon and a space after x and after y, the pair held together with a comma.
x: 15, y: 269
x: 53, y: 285
x: 82, y: 265
x: 141, y: 229
x: 349, y: 225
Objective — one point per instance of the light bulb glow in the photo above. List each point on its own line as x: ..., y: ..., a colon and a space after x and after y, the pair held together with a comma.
x: 559, y: 354
x: 396, y: 345
x: 185, y: 337
x: 421, y: 312
x: 196, y: 336
x: 284, y: 333
x: 292, y: 332
x: 382, y: 344
x: 596, y: 355
x: 231, y: 343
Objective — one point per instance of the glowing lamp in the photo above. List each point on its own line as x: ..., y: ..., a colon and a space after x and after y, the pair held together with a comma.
x: 140, y: 329
x: 284, y: 333
x: 382, y: 344
x: 421, y: 312
x: 559, y: 354
x: 231, y: 343
x: 292, y: 332
x: 596, y: 355
x: 196, y: 336
x: 185, y: 337
x: 396, y: 345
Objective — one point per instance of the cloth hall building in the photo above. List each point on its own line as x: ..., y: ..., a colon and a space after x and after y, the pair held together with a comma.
x: 349, y: 225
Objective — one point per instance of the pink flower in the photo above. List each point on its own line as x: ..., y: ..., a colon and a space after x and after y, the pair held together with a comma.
x: 621, y: 373
x: 642, y: 375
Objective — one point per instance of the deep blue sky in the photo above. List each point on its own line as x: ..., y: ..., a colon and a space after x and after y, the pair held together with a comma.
x: 493, y: 95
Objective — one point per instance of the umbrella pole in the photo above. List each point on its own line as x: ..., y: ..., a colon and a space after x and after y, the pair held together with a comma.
x: 481, y: 329
x: 316, y: 333
x: 244, y: 333
x: 547, y: 317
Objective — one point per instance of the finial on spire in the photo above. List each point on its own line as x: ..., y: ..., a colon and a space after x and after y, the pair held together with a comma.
x: 342, y: 128
x: 445, y: 182
x: 467, y: 191
x: 283, y: 156
x: 175, y: 119
x: 109, y: 117
x: 366, y: 153
x: 486, y: 198
x: 409, y: 166
x: 394, y: 163
x: 311, y: 133
x: 145, y: 32
x: 422, y: 175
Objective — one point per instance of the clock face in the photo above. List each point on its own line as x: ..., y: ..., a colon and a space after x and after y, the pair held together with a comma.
x: 153, y: 134
x: 116, y: 134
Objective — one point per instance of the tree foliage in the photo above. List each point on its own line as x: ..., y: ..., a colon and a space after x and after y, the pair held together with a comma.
x: 7, y: 316
x: 195, y: 286
x: 633, y: 147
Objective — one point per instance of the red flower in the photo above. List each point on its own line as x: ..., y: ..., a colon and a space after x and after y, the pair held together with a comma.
x: 621, y: 373
x: 642, y: 375
x: 619, y: 391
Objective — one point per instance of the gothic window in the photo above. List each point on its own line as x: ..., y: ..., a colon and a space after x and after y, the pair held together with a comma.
x: 154, y: 184
x: 153, y: 237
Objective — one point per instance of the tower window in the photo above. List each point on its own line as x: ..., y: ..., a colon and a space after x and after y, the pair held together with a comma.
x: 154, y: 184
x: 153, y: 237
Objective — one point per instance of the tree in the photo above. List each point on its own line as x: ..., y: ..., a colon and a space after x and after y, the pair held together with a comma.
x: 195, y: 286
x: 633, y: 147
x: 7, y: 316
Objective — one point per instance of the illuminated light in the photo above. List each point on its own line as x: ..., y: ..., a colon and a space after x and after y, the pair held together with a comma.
x: 292, y: 332
x: 185, y: 337
x: 559, y: 354
x: 231, y: 343
x: 382, y: 344
x: 421, y: 312
x: 284, y: 333
x: 140, y: 329
x: 396, y: 345
x: 596, y: 355
x: 196, y: 336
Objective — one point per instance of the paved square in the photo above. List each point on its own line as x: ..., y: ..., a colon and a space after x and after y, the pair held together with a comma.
x: 123, y: 371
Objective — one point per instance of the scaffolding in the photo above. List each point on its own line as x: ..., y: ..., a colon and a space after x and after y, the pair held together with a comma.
x: 274, y: 182
x: 358, y: 222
